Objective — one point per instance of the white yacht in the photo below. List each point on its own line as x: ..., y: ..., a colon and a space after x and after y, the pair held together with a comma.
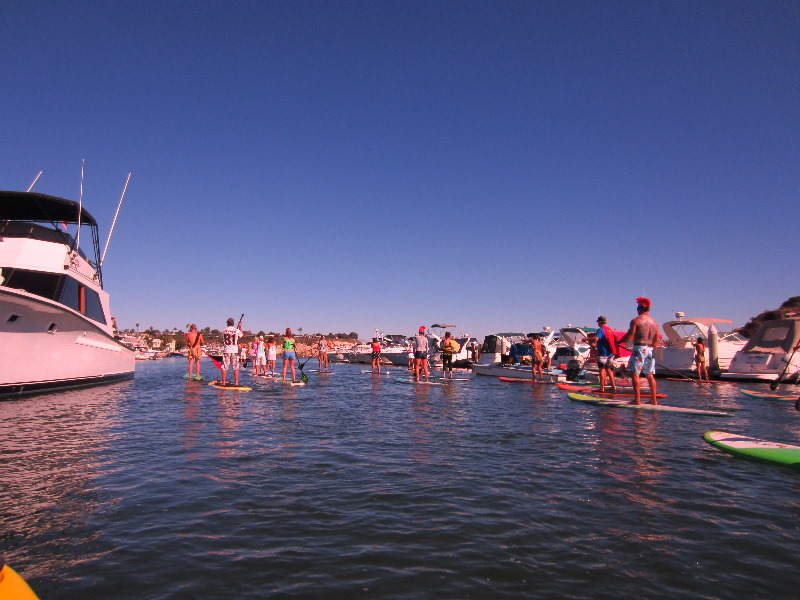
x: 677, y: 351
x: 773, y: 352
x: 56, y: 328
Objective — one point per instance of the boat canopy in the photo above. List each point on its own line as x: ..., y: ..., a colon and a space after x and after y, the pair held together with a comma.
x: 775, y: 337
x: 31, y: 206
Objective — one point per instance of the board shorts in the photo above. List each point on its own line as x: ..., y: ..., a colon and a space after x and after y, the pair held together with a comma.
x: 605, y: 362
x: 536, y: 359
x: 261, y: 360
x: 272, y: 354
x: 376, y: 355
x: 420, y: 354
x: 195, y: 353
x: 230, y: 361
x: 289, y: 355
x: 642, y: 361
x: 447, y: 361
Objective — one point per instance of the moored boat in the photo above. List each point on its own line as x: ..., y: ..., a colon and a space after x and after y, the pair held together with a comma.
x: 772, y: 353
x: 56, y: 328
x: 677, y: 353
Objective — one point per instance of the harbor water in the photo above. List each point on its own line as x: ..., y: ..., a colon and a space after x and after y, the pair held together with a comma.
x: 357, y: 486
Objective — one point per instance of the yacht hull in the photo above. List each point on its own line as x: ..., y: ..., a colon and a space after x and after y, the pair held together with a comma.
x: 45, y: 346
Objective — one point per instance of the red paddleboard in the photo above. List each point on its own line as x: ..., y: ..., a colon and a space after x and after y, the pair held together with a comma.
x: 519, y: 380
x: 596, y: 392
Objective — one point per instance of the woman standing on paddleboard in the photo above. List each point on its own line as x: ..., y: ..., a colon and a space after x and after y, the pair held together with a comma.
x: 289, y: 353
x: 272, y: 354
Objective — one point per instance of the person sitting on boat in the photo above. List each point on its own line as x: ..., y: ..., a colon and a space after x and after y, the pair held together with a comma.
x: 700, y: 358
x: 605, y: 345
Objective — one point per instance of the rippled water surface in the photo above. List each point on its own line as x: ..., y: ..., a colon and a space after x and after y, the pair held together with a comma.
x: 357, y: 486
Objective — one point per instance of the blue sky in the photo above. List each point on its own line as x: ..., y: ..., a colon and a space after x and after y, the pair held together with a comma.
x: 346, y: 166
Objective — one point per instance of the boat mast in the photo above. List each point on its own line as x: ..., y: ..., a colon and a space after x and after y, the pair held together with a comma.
x: 114, y: 222
x: 30, y: 187
x: 77, y: 243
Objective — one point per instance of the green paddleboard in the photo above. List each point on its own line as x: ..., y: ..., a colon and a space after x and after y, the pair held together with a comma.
x: 755, y: 449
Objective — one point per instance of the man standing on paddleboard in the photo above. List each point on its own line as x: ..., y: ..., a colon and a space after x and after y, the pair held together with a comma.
x: 606, y: 349
x: 420, y: 354
x: 194, y: 341
x: 644, y: 333
x: 230, y: 351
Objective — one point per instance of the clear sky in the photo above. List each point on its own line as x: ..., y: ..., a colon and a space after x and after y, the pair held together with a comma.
x: 350, y: 165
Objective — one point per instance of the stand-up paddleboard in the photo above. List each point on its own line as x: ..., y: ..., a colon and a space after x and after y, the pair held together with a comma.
x: 767, y: 395
x: 521, y: 380
x: 375, y: 372
x: 14, y: 587
x: 230, y: 386
x: 654, y: 407
x: 193, y: 377
x: 290, y: 382
x: 415, y: 382
x: 451, y: 378
x: 760, y: 450
x: 593, y: 391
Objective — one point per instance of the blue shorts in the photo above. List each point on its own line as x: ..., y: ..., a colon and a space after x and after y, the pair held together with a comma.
x: 642, y: 361
x: 289, y: 355
x: 420, y: 355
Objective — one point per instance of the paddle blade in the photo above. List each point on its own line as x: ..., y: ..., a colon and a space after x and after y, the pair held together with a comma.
x: 773, y: 385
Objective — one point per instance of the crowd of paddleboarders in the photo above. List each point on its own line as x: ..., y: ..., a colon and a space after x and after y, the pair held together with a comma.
x: 262, y: 353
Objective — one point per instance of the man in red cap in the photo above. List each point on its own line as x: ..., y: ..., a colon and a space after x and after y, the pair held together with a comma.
x: 644, y: 332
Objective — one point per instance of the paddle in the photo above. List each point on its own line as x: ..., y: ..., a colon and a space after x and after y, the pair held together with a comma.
x: 697, y: 381
x: 303, y: 376
x: 774, y: 384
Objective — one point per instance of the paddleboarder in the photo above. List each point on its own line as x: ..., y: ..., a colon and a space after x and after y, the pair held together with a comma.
x: 606, y: 348
x: 644, y: 333
x: 449, y: 347
x: 537, y: 355
x: 376, y: 355
x: 700, y: 358
x: 230, y: 351
x: 420, y: 354
x: 289, y: 353
x: 322, y: 353
x: 194, y: 340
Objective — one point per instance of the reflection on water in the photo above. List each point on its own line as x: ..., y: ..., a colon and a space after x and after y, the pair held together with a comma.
x: 355, y: 485
x: 53, y: 446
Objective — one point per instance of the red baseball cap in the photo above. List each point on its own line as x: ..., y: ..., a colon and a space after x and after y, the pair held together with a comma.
x: 421, y: 328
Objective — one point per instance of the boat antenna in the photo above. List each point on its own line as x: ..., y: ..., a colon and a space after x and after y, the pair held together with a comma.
x: 80, y: 210
x: 114, y: 222
x: 30, y: 187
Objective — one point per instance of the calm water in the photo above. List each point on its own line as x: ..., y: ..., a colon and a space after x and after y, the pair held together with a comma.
x: 356, y: 486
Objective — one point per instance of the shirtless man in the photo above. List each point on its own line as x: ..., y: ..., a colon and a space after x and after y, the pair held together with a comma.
x: 644, y: 333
